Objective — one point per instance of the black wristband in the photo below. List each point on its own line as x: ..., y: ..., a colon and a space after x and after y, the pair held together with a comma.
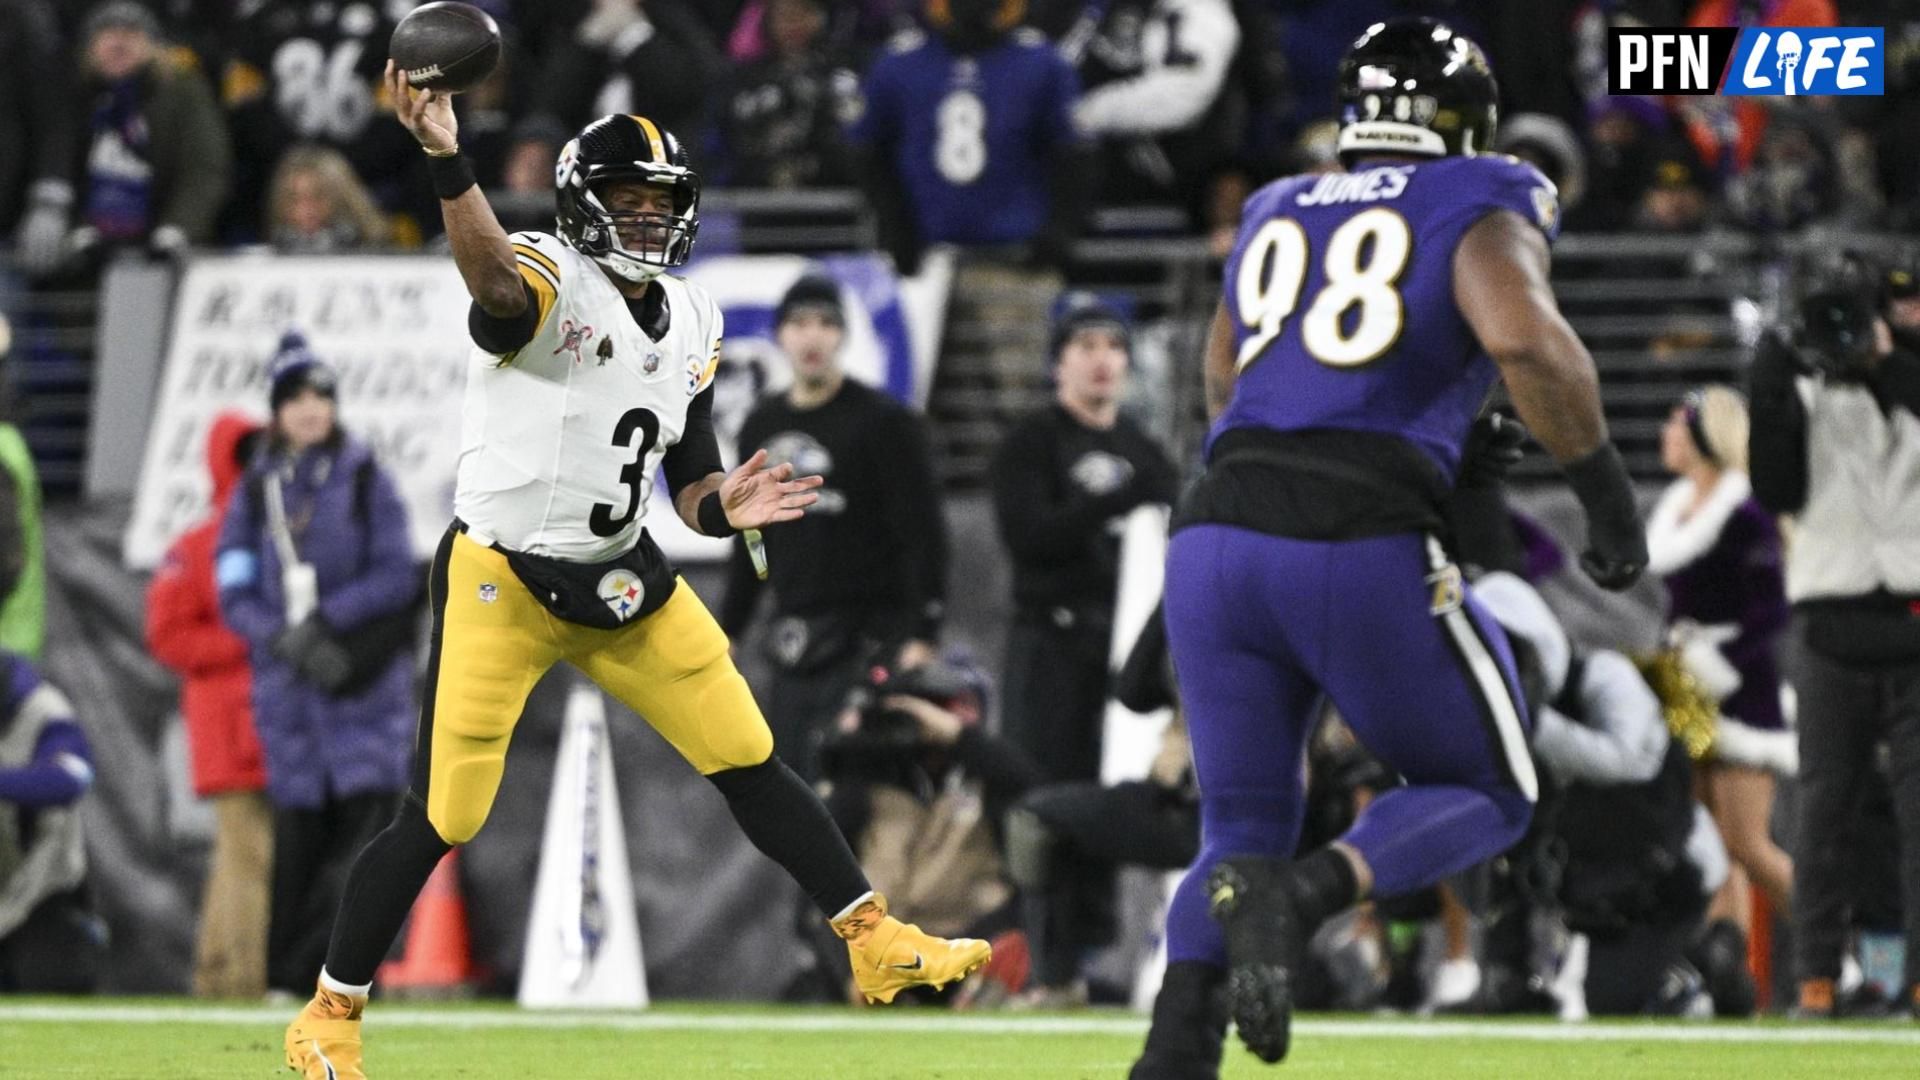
x: 712, y: 516
x: 452, y: 175
x: 1604, y: 486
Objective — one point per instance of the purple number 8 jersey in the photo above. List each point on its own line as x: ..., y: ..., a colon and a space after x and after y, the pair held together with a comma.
x: 1340, y: 290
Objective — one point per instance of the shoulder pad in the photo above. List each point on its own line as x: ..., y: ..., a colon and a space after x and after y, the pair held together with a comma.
x: 1522, y: 171
x: 542, y: 251
x: 539, y: 241
x: 1516, y: 185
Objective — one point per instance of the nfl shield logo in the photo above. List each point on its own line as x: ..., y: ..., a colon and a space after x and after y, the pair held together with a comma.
x: 651, y: 364
x: 489, y: 592
x: 621, y: 591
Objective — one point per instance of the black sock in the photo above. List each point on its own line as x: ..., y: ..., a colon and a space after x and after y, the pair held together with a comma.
x: 1323, y: 885
x: 1189, y: 1014
x: 790, y: 825
x: 389, y: 873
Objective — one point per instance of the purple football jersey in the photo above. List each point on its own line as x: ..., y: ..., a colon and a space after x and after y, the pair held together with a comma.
x: 1340, y: 289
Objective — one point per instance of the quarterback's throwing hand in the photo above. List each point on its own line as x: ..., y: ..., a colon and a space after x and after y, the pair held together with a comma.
x: 427, y: 114
x: 754, y: 495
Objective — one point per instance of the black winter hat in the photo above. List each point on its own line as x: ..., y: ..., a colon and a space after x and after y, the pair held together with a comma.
x: 1088, y: 313
x: 816, y: 292
x: 296, y: 368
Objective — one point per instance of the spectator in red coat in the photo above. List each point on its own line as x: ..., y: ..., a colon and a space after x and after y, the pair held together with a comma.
x: 185, y: 632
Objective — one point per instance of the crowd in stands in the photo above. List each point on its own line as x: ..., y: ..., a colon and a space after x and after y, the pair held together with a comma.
x: 162, y: 123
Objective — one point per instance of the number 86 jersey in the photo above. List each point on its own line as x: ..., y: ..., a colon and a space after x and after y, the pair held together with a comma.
x: 561, y: 439
x: 1340, y: 292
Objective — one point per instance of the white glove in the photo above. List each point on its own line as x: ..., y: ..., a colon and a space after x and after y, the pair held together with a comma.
x: 1717, y: 676
x: 43, y: 229
x: 1700, y: 654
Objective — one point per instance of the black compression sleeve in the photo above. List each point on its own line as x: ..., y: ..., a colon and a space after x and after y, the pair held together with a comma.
x: 697, y: 455
x: 500, y: 336
x: 783, y: 817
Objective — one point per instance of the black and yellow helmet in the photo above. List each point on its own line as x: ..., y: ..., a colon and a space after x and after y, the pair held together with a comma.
x: 631, y: 149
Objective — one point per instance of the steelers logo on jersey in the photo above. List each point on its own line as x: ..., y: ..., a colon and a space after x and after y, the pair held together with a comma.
x: 622, y: 592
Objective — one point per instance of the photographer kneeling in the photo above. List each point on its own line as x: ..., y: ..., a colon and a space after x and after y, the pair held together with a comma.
x: 1619, y: 850
x: 1835, y: 441
x: 919, y: 787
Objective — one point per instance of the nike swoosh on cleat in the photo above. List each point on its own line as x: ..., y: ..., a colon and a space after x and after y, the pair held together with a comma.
x: 324, y: 1063
x: 918, y: 963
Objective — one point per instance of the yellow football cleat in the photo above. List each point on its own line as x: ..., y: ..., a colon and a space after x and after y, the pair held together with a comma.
x: 323, y: 1042
x: 889, y: 955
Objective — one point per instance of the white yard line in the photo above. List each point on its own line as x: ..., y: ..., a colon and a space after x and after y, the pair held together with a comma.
x: 1107, y: 1024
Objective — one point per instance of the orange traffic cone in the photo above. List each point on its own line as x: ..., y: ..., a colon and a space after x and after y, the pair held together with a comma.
x: 435, y: 961
x: 1760, y: 950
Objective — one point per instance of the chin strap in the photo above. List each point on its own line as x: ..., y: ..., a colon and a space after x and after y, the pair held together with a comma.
x: 629, y: 269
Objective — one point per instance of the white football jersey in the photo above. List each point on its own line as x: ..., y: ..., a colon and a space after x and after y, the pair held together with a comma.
x: 560, y: 441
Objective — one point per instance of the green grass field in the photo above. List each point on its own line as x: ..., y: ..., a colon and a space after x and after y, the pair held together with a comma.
x: 145, y: 1038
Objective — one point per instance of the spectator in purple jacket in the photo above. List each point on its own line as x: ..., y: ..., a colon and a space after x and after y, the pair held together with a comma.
x: 1719, y: 552
x: 50, y: 940
x: 316, y: 572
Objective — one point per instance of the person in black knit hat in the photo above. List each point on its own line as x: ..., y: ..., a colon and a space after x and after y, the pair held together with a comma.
x: 861, y: 579
x: 1063, y: 480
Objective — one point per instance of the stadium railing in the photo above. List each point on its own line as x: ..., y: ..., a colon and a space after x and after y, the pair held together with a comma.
x: 1661, y: 314
x: 45, y: 385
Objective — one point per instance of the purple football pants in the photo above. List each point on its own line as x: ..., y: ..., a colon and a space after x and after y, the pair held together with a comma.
x: 1261, y: 627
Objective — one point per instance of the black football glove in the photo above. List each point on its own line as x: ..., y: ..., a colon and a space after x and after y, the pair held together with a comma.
x: 328, y: 666
x: 1616, y: 551
x: 1495, y: 444
x: 294, y: 642
x: 318, y: 658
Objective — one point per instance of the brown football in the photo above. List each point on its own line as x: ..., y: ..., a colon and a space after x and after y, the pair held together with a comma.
x: 445, y: 46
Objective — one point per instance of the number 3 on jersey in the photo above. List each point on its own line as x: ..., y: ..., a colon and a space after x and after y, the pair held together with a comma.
x: 1364, y: 260
x: 602, y: 521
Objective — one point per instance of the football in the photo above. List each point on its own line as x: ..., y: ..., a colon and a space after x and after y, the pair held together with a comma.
x: 445, y: 46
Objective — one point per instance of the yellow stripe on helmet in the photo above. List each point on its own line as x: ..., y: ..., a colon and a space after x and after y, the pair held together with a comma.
x: 654, y: 140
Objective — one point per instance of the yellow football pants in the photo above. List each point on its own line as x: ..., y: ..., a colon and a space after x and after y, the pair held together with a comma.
x: 493, y: 641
